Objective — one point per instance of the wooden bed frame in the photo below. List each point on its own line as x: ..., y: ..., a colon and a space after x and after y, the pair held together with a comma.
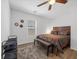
x: 62, y: 30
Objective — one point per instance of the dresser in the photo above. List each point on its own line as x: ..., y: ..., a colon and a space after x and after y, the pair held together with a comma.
x: 9, y: 48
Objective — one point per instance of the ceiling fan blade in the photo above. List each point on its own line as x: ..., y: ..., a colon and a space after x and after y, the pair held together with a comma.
x: 61, y: 1
x: 42, y: 3
x: 50, y: 6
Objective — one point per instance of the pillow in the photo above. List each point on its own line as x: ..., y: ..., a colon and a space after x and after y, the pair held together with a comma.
x: 61, y: 33
x: 54, y: 32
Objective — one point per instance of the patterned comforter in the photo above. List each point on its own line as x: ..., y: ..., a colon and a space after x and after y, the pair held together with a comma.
x: 59, y: 40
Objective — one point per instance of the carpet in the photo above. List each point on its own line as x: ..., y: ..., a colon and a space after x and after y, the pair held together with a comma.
x: 31, y: 52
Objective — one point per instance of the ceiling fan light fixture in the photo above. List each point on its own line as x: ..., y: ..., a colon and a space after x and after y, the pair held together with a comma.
x: 51, y: 2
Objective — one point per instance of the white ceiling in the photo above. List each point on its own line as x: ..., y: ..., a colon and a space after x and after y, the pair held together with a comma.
x: 31, y: 7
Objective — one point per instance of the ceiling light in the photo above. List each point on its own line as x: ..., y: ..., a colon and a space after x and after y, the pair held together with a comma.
x: 51, y: 2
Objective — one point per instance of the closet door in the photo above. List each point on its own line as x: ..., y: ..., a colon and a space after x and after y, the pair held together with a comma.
x: 32, y: 30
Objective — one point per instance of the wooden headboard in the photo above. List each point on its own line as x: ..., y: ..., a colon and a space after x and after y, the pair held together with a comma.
x: 64, y: 30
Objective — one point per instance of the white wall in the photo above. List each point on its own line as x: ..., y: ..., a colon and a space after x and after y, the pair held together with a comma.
x: 5, y: 17
x: 21, y: 33
x: 68, y: 17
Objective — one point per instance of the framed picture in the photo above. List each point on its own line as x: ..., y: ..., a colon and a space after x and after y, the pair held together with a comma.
x: 22, y: 21
x: 21, y: 25
x: 16, y: 24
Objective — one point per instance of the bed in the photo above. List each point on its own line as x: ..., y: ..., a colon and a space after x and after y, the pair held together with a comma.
x: 59, y: 36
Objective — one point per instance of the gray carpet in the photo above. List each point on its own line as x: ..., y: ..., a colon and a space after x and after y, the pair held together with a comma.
x: 31, y: 52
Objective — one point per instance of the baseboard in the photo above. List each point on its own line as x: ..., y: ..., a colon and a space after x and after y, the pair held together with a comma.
x: 25, y: 44
x: 73, y: 49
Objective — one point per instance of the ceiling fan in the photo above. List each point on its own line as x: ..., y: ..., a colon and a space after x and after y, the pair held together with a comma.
x: 51, y: 2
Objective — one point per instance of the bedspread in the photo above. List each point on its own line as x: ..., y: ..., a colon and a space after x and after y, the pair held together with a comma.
x: 62, y: 40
